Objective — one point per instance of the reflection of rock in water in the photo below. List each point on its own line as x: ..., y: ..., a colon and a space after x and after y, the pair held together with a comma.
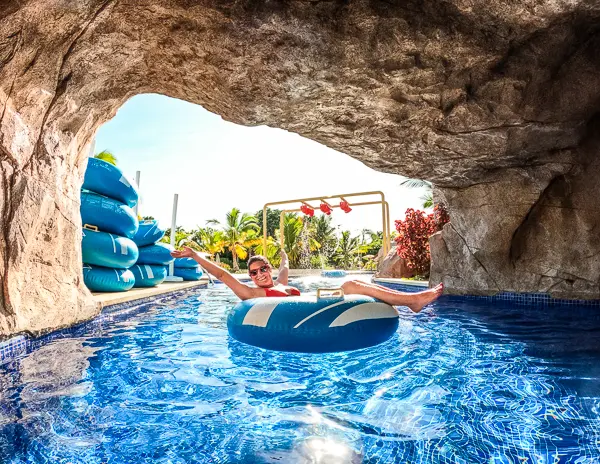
x: 34, y: 403
x: 55, y: 369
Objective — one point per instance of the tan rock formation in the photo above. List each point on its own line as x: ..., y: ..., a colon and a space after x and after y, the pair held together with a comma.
x: 393, y: 266
x: 490, y: 101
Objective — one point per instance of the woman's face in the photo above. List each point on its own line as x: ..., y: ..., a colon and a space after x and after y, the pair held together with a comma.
x: 261, y: 274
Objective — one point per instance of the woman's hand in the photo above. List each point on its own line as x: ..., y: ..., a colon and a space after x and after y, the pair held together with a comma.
x: 185, y: 252
x: 284, y: 256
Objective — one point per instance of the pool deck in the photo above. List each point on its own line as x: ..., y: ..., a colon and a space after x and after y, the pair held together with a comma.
x: 113, y: 298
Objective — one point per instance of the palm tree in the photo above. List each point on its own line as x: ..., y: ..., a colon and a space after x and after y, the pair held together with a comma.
x: 237, y: 236
x: 369, y: 247
x: 347, y: 249
x: 427, y: 197
x: 182, y: 237
x: 292, y: 229
x: 322, y: 230
x: 324, y: 235
x: 107, y: 156
x: 211, y: 241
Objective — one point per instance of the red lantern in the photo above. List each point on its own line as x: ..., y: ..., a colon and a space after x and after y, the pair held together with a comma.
x: 345, y: 207
x: 307, y: 210
x: 325, y: 208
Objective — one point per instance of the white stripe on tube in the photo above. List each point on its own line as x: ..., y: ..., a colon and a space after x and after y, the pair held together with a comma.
x: 137, y: 183
x: 149, y: 271
x: 363, y: 312
x: 124, y: 181
x: 260, y: 313
x: 348, y: 298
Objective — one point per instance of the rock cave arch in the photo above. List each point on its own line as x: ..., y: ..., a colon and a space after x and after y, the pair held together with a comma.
x: 495, y: 103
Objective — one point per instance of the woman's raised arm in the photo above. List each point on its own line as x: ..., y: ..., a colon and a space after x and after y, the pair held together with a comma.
x: 243, y: 291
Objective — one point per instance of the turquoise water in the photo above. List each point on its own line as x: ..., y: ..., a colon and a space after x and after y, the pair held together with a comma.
x: 459, y: 383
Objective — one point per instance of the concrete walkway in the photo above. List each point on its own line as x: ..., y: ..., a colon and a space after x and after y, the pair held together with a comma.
x: 108, y: 299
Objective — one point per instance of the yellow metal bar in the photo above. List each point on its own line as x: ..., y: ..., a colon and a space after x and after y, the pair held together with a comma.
x: 281, y: 227
x: 265, y: 230
x: 385, y: 250
x: 385, y: 213
x: 377, y: 192
x: 364, y: 203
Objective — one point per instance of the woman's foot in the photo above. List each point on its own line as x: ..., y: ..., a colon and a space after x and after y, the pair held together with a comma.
x: 425, y: 297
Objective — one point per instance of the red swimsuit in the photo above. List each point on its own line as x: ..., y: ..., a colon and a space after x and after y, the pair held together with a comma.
x: 275, y: 292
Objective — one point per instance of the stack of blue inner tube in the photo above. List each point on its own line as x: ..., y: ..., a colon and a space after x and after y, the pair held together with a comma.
x: 109, y: 224
x: 187, y: 269
x: 154, y: 258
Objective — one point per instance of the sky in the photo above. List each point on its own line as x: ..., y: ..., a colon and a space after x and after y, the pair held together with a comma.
x: 180, y: 147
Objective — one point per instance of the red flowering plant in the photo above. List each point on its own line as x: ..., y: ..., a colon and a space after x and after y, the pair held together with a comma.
x: 413, y: 236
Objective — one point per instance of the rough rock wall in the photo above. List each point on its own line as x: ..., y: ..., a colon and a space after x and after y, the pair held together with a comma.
x: 493, y: 102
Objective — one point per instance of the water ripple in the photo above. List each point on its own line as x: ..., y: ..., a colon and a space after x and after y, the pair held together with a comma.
x: 461, y: 383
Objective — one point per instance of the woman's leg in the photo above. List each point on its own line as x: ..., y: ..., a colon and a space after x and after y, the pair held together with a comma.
x: 415, y: 301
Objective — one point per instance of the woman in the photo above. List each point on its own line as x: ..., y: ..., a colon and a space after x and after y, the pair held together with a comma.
x: 260, y: 270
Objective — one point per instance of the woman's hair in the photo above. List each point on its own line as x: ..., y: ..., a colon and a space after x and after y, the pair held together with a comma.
x: 260, y: 258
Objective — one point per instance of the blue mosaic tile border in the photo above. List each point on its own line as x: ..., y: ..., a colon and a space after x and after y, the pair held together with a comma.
x: 531, y: 299
x: 402, y: 287
x: 21, y: 344
x: 520, y: 299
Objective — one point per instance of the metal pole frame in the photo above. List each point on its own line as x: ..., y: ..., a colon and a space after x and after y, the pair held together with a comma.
x: 385, y: 213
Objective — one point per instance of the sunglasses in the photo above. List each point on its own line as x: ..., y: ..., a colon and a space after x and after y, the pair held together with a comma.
x: 254, y: 272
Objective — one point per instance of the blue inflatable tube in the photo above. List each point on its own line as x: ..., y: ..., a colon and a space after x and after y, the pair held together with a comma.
x: 187, y: 263
x: 104, y: 279
x: 334, y: 273
x: 188, y: 273
x: 108, y: 215
x: 159, y: 253
x: 108, y: 180
x: 108, y: 250
x: 309, y: 325
x: 147, y: 275
x: 148, y: 233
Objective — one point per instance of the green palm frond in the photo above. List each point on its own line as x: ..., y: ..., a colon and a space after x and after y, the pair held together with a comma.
x: 427, y: 200
x: 107, y: 156
x: 415, y: 183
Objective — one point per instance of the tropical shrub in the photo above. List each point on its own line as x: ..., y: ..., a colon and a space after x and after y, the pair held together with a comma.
x: 272, y: 220
x: 413, y: 237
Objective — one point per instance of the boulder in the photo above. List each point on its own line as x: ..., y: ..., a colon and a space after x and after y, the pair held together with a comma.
x: 393, y: 266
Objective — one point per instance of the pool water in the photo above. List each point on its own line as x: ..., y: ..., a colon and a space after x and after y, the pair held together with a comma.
x: 459, y: 383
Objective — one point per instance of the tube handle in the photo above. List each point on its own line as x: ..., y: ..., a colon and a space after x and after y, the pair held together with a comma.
x: 330, y: 293
x: 90, y: 227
